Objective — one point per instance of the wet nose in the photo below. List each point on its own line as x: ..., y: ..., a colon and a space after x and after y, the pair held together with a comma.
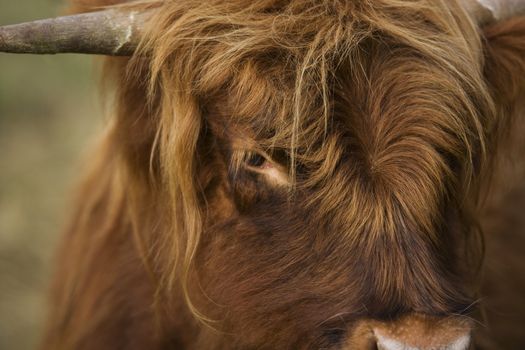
x: 412, y: 332
x: 421, y: 332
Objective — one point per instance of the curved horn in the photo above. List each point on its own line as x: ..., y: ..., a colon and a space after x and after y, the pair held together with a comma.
x: 488, y: 11
x: 111, y: 32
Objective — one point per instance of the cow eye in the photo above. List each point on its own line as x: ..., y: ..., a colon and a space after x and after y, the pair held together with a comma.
x: 255, y: 160
x: 263, y: 165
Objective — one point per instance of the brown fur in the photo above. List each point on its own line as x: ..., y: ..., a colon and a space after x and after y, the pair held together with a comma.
x: 387, y: 116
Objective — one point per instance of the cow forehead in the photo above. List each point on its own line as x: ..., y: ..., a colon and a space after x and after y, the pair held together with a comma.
x: 382, y: 131
x: 384, y: 120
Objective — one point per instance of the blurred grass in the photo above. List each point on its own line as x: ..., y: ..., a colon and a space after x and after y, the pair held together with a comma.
x: 49, y: 112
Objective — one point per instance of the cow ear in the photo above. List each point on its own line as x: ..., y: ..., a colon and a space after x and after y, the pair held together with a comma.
x: 505, y: 61
x: 504, y: 71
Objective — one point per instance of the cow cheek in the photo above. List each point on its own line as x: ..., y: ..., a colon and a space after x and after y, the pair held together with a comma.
x: 254, y: 275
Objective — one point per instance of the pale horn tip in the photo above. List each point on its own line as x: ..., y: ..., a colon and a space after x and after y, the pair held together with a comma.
x: 490, y: 11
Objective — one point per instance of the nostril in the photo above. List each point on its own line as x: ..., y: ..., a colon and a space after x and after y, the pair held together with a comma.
x: 334, y: 336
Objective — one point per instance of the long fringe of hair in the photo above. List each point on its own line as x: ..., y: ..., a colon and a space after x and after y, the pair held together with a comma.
x: 196, y: 49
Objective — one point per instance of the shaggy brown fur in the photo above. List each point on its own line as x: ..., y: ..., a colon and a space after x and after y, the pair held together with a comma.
x: 383, y: 121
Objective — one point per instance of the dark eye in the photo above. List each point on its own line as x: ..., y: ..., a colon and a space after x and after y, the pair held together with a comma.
x: 255, y: 160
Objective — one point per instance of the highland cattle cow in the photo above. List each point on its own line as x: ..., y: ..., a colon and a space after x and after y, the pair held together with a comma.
x: 297, y: 174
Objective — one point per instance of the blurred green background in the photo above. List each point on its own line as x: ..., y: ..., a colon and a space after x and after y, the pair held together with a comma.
x: 49, y: 116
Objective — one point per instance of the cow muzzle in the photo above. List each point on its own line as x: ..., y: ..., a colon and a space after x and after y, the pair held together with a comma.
x: 412, y: 332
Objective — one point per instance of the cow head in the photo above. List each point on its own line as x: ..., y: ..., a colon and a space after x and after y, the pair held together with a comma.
x: 306, y: 172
